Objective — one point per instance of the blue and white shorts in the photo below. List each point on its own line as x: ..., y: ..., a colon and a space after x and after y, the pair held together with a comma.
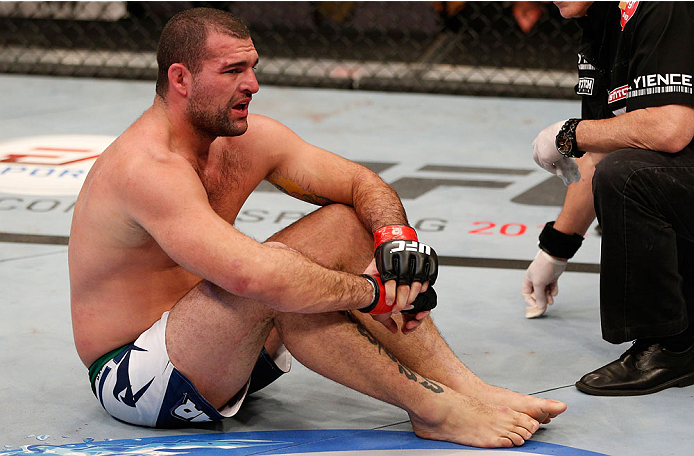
x: 138, y: 384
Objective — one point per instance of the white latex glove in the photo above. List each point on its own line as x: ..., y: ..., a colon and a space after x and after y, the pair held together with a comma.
x: 540, y: 283
x: 546, y: 155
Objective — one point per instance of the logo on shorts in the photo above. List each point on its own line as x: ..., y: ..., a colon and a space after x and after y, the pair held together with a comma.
x: 186, y: 410
x: 48, y: 165
x: 123, y: 379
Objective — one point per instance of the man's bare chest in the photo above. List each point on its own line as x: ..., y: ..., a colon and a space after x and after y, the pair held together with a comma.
x: 229, y: 180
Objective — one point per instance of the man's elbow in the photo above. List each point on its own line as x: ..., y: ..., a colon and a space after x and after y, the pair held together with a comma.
x: 273, y: 293
x: 674, y: 140
x: 675, y: 128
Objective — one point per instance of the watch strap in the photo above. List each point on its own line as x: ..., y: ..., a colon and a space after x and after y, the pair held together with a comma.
x: 568, y: 131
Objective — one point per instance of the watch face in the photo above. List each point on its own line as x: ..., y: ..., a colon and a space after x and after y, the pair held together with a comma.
x: 563, y: 144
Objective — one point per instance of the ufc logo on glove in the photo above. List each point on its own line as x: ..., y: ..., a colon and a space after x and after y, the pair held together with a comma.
x: 412, y: 246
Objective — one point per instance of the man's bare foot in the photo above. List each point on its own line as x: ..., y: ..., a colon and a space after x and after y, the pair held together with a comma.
x: 469, y: 421
x: 543, y: 410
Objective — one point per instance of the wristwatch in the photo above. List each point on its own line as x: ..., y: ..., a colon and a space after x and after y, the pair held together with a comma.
x: 566, y: 140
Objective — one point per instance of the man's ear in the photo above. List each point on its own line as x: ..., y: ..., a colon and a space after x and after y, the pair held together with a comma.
x: 180, y: 79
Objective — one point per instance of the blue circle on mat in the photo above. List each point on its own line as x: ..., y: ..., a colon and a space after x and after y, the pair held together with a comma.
x: 371, y: 442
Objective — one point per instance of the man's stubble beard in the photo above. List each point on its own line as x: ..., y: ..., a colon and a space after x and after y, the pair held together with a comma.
x: 213, y: 122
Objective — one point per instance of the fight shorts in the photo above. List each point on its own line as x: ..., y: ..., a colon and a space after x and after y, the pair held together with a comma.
x: 138, y: 384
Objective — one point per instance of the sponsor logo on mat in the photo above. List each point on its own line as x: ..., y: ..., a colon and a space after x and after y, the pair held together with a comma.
x: 48, y: 165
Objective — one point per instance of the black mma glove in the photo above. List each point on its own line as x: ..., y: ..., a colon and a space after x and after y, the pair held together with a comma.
x: 423, y: 301
x: 401, y: 257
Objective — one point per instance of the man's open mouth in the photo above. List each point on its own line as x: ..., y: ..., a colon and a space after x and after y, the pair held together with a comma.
x: 241, y: 106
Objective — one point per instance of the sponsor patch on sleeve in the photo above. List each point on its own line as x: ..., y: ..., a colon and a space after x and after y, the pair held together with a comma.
x: 585, y: 86
x: 620, y: 93
x: 653, y: 84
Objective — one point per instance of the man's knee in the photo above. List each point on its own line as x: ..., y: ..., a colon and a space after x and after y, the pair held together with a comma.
x: 207, y: 293
x: 612, y: 173
x: 333, y: 236
x: 334, y: 216
x: 345, y: 221
x: 343, y: 216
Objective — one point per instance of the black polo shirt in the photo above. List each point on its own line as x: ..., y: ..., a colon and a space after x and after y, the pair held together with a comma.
x: 635, y: 55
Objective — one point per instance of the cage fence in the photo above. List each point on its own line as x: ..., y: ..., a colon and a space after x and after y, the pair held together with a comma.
x: 520, y: 49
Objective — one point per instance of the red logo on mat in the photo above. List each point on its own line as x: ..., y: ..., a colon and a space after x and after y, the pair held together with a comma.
x: 628, y: 10
x: 48, y: 165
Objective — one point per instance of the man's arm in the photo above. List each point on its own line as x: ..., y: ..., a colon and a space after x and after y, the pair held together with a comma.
x: 321, y: 177
x: 174, y: 210
x: 666, y: 128
x: 578, y: 211
x: 663, y: 128
x: 540, y: 284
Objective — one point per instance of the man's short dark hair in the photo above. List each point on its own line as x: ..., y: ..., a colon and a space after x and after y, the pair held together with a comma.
x: 184, y: 36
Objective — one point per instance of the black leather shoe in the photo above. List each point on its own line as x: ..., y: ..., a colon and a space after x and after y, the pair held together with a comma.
x: 643, y: 369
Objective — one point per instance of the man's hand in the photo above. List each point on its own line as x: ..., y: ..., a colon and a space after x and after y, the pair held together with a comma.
x: 407, y: 267
x: 421, y: 308
x: 383, y: 312
x: 413, y: 314
x: 546, y: 155
x: 540, y: 283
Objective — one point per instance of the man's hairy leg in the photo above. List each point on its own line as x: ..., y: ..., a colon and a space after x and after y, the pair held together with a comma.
x: 215, y: 338
x: 208, y: 321
x: 344, y: 350
x: 416, y: 349
x: 340, y: 348
x: 351, y: 249
x: 333, y: 237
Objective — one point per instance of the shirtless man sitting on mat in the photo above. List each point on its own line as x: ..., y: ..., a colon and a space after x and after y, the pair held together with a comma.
x: 179, y: 315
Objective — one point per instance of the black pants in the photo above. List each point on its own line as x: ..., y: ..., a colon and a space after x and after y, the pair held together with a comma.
x: 644, y: 201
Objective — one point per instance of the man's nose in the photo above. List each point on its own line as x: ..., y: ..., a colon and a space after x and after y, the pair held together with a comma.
x: 250, y: 82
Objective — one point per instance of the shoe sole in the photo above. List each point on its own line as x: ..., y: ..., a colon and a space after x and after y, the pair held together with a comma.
x: 685, y: 380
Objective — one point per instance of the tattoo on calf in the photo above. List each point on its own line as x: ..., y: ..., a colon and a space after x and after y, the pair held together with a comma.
x: 425, y: 382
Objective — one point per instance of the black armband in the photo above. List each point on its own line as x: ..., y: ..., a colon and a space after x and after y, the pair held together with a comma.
x: 559, y: 244
x: 377, y: 294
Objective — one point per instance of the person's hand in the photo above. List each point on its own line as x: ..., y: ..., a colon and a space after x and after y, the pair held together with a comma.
x: 413, y: 313
x: 540, y: 283
x: 547, y: 156
x: 421, y: 308
x: 410, y: 322
x: 412, y: 316
x: 406, y: 266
